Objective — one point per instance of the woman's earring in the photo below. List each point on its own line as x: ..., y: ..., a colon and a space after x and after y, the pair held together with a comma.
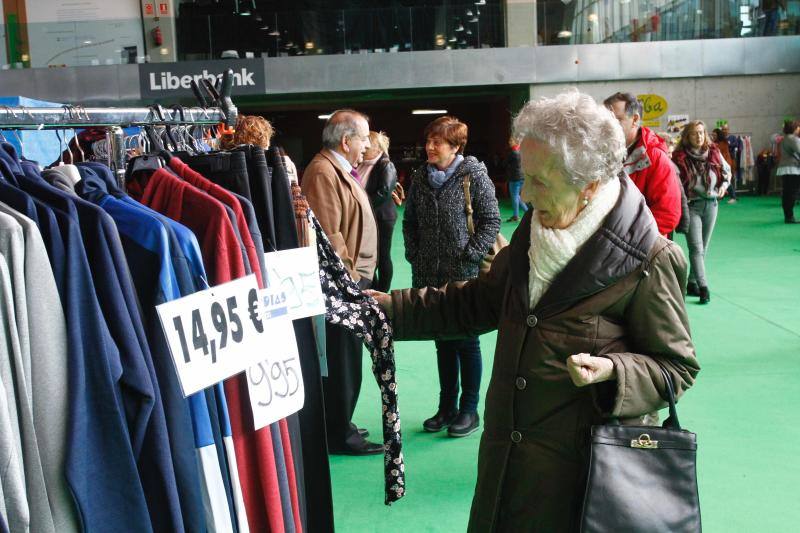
x: 585, y: 201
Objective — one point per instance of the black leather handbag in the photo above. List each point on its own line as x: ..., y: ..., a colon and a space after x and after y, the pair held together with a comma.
x: 642, y: 478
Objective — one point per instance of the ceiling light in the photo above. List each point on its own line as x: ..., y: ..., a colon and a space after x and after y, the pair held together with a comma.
x: 274, y: 33
x: 592, y: 17
x: 439, y: 40
x: 469, y: 12
x: 324, y: 117
x: 473, y: 19
x: 452, y: 39
x: 563, y: 34
x: 469, y: 32
x: 459, y: 28
x: 480, y: 3
x: 310, y: 45
x: 429, y: 112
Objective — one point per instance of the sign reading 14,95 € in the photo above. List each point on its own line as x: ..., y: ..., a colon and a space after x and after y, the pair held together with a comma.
x: 275, y: 383
x: 215, y: 333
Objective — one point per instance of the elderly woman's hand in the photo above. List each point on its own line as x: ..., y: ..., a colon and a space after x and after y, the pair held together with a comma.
x: 585, y: 369
x: 384, y: 300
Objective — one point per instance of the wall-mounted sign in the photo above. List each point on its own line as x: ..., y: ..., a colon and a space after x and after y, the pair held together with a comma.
x: 675, y: 123
x: 168, y: 80
x: 653, y: 108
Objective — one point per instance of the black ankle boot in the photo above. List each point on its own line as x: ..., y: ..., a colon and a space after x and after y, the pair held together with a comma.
x: 464, y: 424
x: 439, y: 421
x: 692, y: 289
x: 705, y: 296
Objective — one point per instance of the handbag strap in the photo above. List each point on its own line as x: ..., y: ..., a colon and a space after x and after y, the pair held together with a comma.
x: 672, y: 420
x: 468, y: 202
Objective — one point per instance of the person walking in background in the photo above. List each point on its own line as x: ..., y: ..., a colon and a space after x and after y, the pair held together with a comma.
x: 647, y: 163
x: 721, y: 140
x: 515, y: 179
x: 789, y: 168
x: 441, y: 250
x: 705, y: 176
x: 380, y: 180
x: 764, y: 163
x: 334, y: 191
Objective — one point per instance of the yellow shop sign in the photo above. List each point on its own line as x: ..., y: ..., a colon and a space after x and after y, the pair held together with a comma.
x: 653, y: 107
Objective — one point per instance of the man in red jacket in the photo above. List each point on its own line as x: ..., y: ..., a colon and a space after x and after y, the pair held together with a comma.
x: 648, y: 164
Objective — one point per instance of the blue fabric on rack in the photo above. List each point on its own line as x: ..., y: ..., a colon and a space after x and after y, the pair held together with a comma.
x: 101, y: 468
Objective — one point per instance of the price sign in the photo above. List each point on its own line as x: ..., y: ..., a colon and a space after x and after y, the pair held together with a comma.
x: 215, y: 333
x: 296, y: 273
x: 275, y: 383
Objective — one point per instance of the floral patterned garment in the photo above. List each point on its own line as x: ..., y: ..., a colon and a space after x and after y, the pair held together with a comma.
x: 349, y: 307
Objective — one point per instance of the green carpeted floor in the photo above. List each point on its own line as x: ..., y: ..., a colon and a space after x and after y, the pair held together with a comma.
x: 743, y: 406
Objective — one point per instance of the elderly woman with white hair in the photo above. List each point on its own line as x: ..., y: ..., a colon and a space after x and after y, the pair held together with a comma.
x: 588, y: 304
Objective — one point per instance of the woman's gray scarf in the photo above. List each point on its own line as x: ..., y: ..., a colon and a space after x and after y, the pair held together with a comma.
x: 437, y: 178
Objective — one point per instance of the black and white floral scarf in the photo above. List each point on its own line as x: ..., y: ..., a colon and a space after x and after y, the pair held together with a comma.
x: 347, y: 306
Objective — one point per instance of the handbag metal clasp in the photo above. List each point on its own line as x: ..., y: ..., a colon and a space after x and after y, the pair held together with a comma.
x: 644, y: 442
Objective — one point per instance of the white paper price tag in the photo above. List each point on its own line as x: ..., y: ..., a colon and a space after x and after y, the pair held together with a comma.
x: 275, y: 384
x: 296, y: 272
x: 215, y: 333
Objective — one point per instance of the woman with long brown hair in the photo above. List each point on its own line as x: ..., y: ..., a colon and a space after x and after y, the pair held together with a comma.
x: 705, y: 176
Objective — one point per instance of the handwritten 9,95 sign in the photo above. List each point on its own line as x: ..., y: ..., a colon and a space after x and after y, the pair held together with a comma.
x: 215, y: 333
x: 275, y: 383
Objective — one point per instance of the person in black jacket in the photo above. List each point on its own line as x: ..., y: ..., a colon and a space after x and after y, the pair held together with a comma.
x: 379, y: 178
x: 515, y: 177
x: 442, y: 250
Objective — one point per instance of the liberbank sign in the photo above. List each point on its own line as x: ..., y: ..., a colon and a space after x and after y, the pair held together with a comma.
x: 169, y: 80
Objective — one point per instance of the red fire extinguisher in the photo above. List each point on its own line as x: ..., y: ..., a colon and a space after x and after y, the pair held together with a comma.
x: 158, y: 39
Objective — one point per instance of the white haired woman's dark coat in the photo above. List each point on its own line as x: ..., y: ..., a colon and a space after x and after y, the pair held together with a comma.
x: 437, y: 243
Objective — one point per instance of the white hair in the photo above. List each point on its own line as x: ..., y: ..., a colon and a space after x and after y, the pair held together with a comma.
x: 584, y: 135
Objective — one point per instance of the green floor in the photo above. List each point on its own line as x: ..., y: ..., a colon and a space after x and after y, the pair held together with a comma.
x: 743, y: 406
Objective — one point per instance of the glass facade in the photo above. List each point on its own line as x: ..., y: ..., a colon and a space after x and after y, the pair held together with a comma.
x: 205, y: 32
x: 52, y: 36
x: 616, y: 21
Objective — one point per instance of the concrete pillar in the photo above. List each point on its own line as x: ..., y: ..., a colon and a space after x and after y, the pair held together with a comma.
x: 520, y: 23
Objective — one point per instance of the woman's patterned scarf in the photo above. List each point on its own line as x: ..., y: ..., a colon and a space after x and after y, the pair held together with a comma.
x: 347, y: 306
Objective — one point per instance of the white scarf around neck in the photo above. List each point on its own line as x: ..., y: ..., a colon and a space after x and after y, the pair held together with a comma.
x: 551, y: 249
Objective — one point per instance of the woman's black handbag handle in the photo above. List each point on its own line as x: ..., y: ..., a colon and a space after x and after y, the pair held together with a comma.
x: 672, y: 421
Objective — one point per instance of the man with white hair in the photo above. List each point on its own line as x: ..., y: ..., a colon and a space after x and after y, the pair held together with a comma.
x: 335, y: 193
x: 647, y: 163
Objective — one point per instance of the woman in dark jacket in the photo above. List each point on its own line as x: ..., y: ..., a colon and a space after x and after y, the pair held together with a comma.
x: 705, y: 176
x: 789, y: 168
x: 441, y: 250
x: 380, y: 179
x: 588, y: 305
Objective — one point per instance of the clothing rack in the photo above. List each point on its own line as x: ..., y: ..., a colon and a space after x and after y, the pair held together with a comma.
x: 114, y: 119
x: 215, y: 99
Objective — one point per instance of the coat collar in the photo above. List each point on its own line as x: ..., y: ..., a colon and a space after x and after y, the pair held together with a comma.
x: 344, y: 176
x: 618, y: 248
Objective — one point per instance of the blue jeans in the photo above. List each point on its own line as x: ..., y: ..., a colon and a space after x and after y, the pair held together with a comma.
x: 463, y: 355
x: 514, y: 187
x: 702, y: 217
